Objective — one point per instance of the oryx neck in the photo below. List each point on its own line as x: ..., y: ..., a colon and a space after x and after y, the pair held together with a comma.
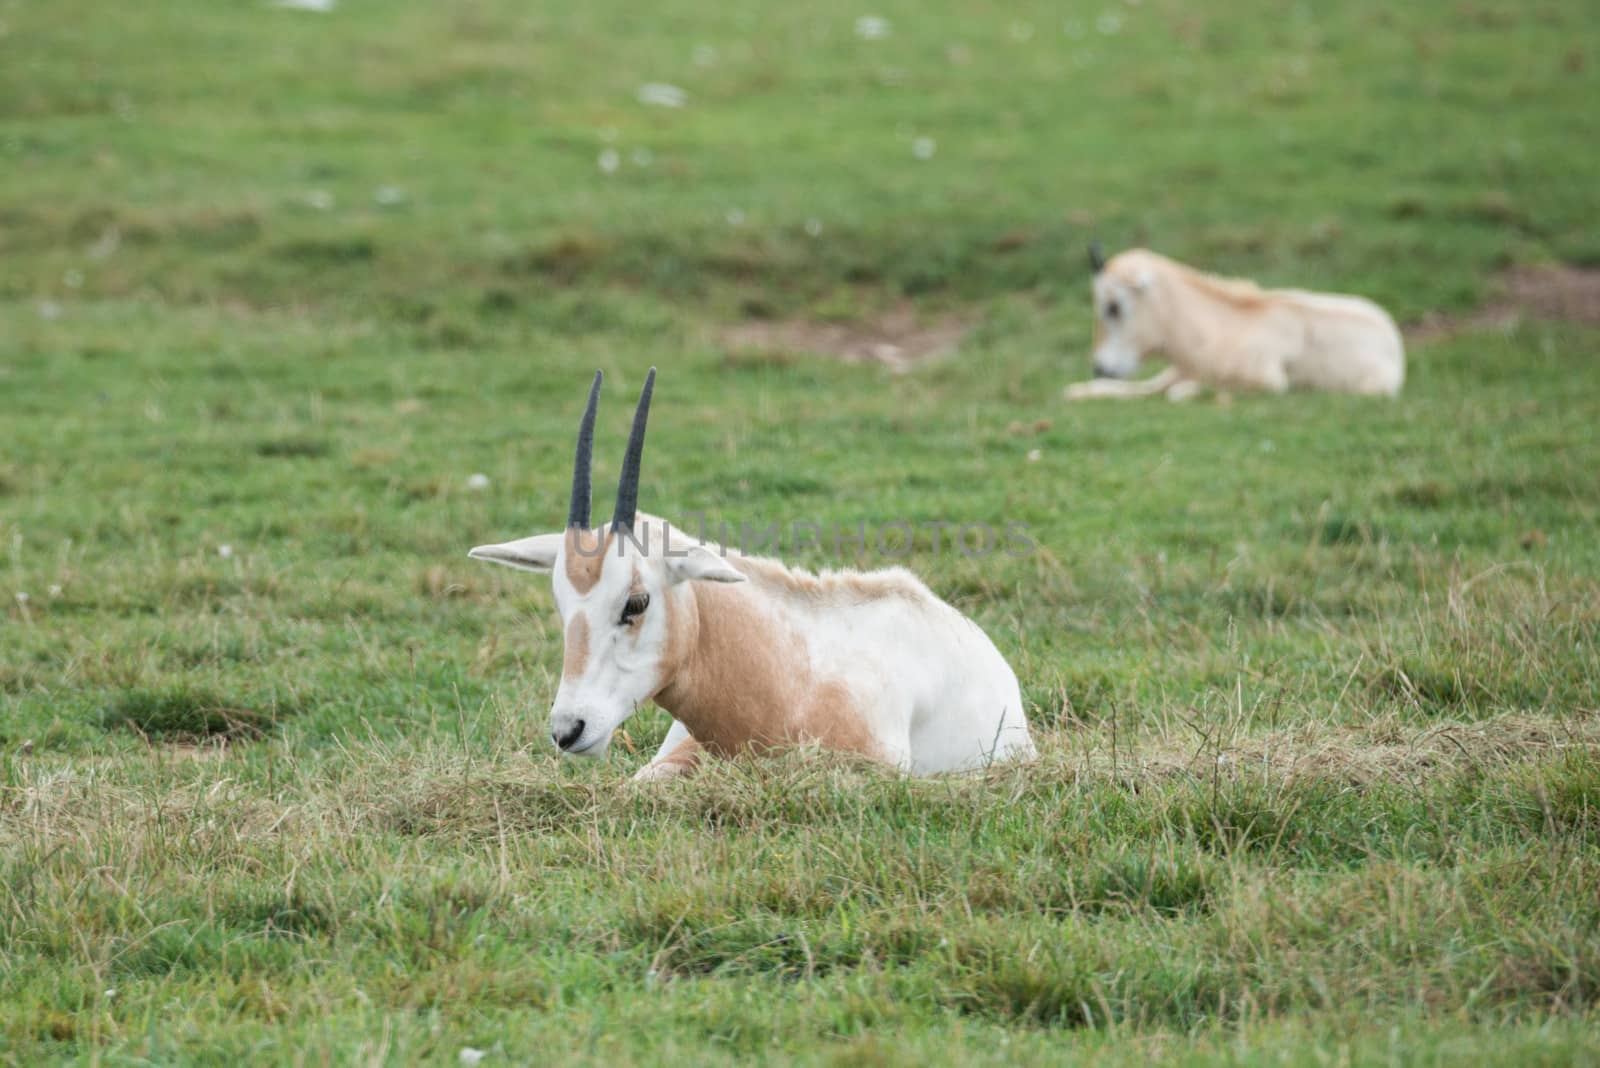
x: 735, y: 670
x: 1188, y: 312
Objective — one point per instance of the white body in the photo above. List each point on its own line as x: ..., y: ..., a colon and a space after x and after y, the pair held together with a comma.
x: 748, y: 654
x: 1227, y: 333
x: 933, y: 692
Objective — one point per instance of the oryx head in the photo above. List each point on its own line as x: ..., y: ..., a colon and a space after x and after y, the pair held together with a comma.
x: 614, y: 588
x: 1126, y: 321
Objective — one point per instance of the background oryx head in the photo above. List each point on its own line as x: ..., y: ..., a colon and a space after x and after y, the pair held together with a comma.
x: 616, y: 589
x: 1127, y: 321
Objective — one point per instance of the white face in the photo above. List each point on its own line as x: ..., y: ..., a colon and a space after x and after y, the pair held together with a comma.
x: 615, y: 640
x: 1124, y: 324
x: 616, y: 617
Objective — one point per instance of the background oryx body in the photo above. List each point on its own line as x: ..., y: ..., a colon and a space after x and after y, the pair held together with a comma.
x: 746, y: 653
x: 1233, y: 334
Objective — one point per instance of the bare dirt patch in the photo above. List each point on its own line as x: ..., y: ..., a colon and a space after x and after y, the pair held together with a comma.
x: 898, y: 339
x: 1553, y: 292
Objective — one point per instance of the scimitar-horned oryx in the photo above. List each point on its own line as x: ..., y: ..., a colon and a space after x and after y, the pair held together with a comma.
x: 746, y: 653
x: 1230, y: 333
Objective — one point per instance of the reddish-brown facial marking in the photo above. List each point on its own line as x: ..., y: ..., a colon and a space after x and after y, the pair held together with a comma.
x: 586, y: 555
x: 577, y: 653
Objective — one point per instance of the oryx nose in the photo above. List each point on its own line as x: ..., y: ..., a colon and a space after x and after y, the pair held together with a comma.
x: 566, y: 739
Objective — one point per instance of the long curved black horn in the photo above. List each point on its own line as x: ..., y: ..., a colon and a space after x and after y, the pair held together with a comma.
x: 628, y: 487
x: 583, y: 462
x: 1097, y: 256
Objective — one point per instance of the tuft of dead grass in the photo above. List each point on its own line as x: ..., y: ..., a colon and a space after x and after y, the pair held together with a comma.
x: 526, y: 794
x: 1371, y: 754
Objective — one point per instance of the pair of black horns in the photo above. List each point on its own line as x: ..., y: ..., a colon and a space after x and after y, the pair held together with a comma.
x: 583, y: 462
x: 1097, y: 256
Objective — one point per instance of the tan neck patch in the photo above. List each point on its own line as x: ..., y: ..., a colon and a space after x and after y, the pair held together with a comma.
x: 586, y: 556
x: 576, y: 657
x: 746, y: 682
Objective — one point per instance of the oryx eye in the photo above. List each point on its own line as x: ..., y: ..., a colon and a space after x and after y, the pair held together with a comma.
x: 634, y: 607
x: 1113, y: 309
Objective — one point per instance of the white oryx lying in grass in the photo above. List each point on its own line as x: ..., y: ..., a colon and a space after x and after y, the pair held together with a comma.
x: 1232, y: 334
x: 748, y: 654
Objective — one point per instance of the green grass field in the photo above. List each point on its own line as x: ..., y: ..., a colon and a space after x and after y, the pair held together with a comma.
x: 1316, y: 679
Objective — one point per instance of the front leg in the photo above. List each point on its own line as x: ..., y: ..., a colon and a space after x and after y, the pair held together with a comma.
x: 679, y: 755
x: 1116, y: 387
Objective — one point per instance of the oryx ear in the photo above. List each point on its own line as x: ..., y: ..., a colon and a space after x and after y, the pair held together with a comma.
x: 537, y: 553
x: 701, y: 564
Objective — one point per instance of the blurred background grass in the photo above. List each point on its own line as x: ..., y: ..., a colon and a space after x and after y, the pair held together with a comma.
x: 275, y: 283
